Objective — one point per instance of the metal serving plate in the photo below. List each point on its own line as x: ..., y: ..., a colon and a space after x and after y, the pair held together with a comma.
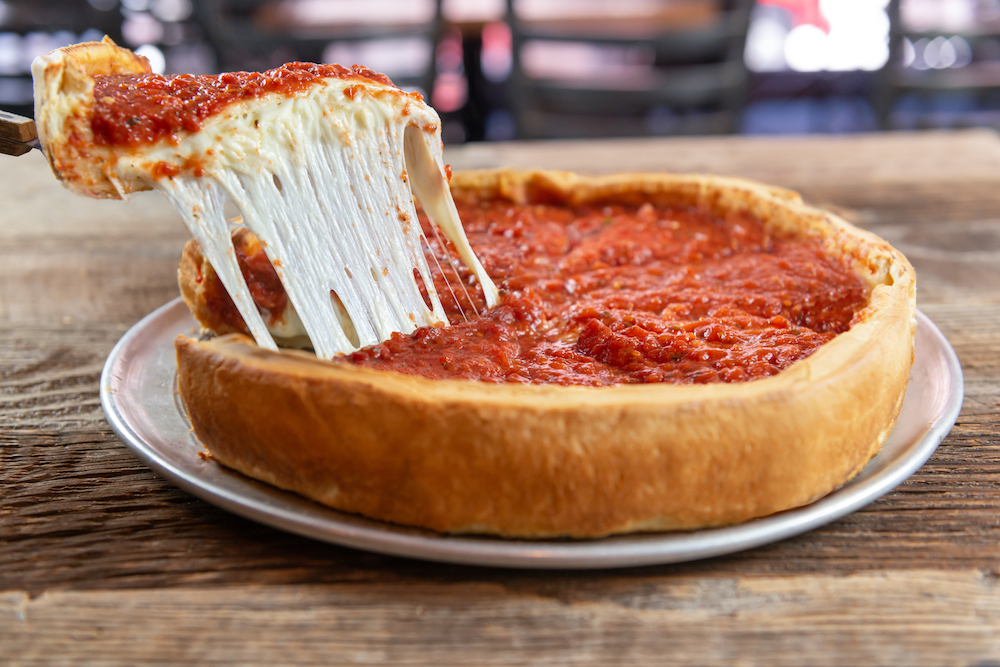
x: 139, y: 397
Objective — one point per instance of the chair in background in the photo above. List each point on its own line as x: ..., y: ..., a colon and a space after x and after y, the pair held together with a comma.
x: 396, y: 37
x: 676, y: 67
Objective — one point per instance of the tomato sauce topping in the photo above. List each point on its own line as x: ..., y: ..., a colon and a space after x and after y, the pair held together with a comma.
x: 134, y: 110
x: 618, y: 295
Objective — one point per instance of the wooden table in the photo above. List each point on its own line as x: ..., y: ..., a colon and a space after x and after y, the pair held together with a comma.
x: 102, y: 561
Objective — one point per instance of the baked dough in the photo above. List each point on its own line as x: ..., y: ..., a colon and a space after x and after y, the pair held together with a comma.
x: 533, y: 461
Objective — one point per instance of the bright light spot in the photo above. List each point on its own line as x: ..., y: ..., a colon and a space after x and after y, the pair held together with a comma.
x: 195, y: 58
x: 10, y: 53
x: 451, y: 90
x: 859, y: 34
x: 959, y: 15
x: 765, y: 50
x: 34, y: 44
x: 937, y: 53
x: 963, y: 52
x: 849, y: 35
x: 935, y: 15
x: 932, y: 53
x: 155, y: 57
x: 946, y: 55
x: 476, y: 11
x: 909, y: 54
x: 141, y: 29
x: 845, y: 11
x: 136, y: 5
x: 171, y: 11
x: 91, y: 35
x: 495, y: 59
x: 806, y: 49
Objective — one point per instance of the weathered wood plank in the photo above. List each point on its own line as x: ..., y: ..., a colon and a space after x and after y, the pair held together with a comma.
x: 104, y: 280
x: 912, y: 618
x: 49, y: 376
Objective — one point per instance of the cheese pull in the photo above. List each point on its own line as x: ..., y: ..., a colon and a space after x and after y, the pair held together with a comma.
x: 322, y: 162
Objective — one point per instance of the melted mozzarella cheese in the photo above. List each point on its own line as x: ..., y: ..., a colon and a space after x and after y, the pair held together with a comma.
x: 322, y: 181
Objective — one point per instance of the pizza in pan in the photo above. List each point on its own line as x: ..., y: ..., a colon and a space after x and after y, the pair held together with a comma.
x: 662, y: 352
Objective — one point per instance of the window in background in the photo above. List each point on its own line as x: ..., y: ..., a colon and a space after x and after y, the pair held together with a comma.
x: 818, y: 35
x: 815, y: 65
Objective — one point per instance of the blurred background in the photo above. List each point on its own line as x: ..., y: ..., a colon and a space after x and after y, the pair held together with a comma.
x: 524, y: 69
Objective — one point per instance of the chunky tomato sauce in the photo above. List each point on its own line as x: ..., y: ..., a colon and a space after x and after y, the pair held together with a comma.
x: 617, y: 295
x: 133, y: 110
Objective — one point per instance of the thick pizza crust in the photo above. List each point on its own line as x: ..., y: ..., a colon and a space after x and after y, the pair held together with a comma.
x: 64, y: 99
x: 546, y: 461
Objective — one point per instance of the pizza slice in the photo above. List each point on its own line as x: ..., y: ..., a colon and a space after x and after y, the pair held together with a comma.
x: 322, y: 161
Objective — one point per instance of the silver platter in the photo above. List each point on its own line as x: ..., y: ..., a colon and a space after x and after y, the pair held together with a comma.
x: 139, y: 397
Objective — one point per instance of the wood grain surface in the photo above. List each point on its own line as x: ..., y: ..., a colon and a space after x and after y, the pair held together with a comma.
x: 103, y: 562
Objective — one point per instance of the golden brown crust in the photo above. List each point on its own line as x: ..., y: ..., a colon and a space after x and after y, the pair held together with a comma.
x: 542, y: 461
x: 64, y: 101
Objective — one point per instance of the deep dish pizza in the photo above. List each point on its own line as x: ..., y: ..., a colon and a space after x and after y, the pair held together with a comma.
x: 669, y: 352
x: 664, y: 352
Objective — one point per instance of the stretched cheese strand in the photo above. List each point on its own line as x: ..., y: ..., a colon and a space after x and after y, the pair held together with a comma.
x: 333, y: 217
x: 431, y: 188
x: 200, y: 204
x: 323, y: 178
x: 331, y: 205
